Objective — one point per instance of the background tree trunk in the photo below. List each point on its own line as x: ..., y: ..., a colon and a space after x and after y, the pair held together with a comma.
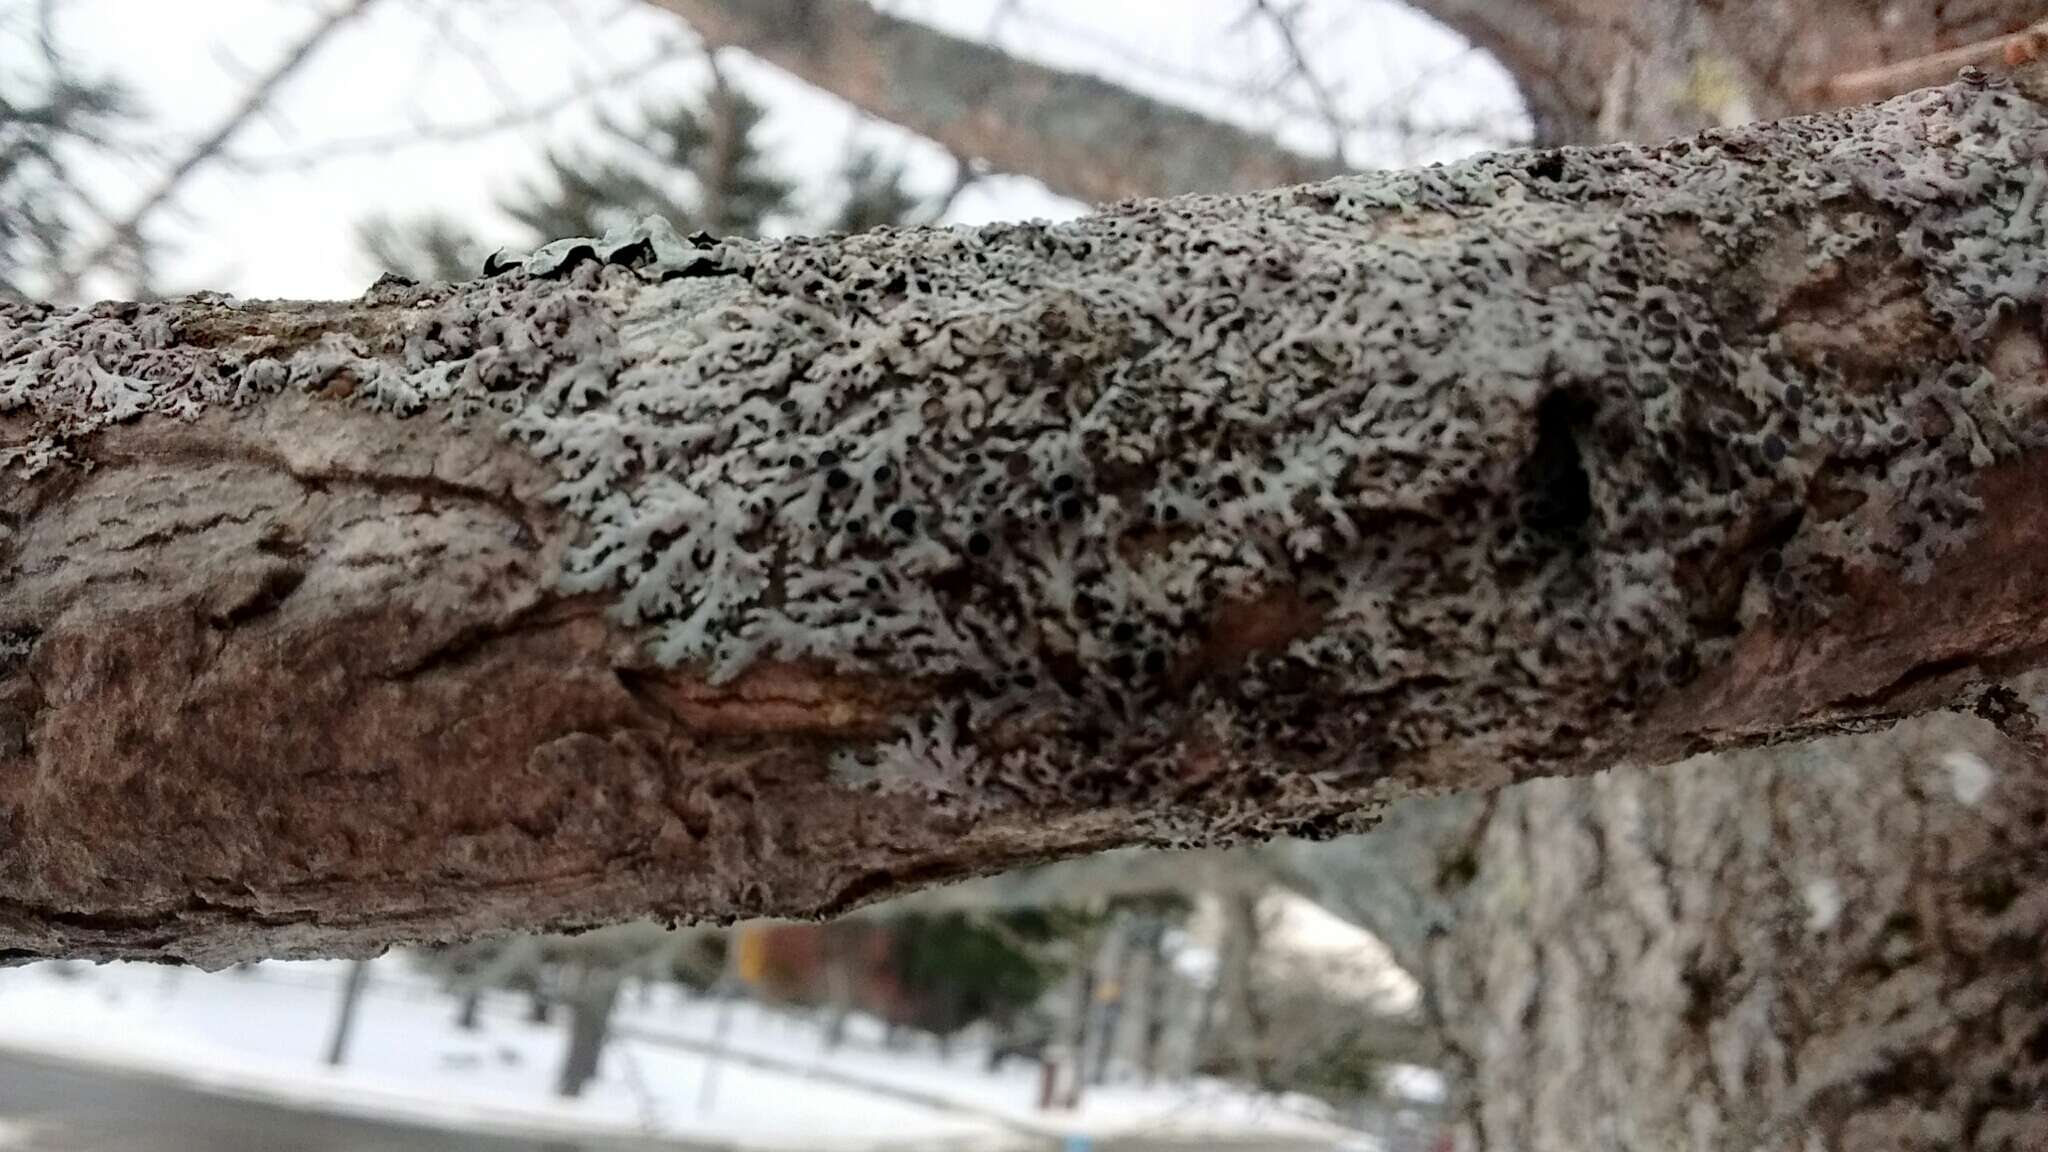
x: 590, y: 1015
x: 1239, y: 1028
x: 1838, y: 948
x: 1066, y: 1055
x: 842, y: 970
x: 345, y: 1011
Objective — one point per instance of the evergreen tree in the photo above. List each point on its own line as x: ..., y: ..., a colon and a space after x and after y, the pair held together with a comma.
x: 432, y: 247
x: 957, y: 969
x: 875, y: 195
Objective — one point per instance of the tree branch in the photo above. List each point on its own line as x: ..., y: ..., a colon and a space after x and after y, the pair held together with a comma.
x: 1623, y: 69
x: 1874, y: 83
x: 1080, y: 136
x: 527, y: 114
x: 1283, y: 22
x: 1556, y: 58
x: 721, y: 578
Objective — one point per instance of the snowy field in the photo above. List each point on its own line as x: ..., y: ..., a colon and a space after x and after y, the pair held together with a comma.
x: 261, y: 1034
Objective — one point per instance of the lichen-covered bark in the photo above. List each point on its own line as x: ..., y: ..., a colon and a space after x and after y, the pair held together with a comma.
x: 714, y: 578
x: 1078, y: 135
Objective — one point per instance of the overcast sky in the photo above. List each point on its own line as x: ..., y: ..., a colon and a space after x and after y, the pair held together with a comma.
x: 276, y: 223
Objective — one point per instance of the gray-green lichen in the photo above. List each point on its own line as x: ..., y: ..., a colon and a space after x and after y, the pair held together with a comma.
x: 1308, y: 479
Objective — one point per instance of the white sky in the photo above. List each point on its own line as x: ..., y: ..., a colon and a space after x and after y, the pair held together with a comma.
x: 270, y: 229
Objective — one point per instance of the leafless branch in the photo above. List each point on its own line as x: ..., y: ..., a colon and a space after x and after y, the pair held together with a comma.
x: 1285, y: 24
x: 668, y: 52
x: 911, y: 74
x: 125, y: 230
x: 2022, y: 47
x: 965, y: 173
x: 722, y: 122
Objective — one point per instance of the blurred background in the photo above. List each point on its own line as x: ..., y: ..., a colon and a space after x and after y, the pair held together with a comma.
x: 1548, y: 951
x: 296, y: 148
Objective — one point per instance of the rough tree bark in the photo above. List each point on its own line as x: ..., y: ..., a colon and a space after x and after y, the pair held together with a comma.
x: 1837, y: 947
x: 1824, y: 946
x: 723, y: 579
x: 985, y: 104
x: 1654, y: 69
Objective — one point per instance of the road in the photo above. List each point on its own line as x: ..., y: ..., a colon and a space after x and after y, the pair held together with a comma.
x: 56, y: 1107
x: 72, y: 1108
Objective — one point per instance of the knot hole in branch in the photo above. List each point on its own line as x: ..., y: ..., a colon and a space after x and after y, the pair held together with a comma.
x: 1556, y: 495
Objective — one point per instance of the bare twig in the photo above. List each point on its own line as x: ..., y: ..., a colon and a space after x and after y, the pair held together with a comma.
x: 1284, y: 24
x: 2022, y: 47
x: 722, y: 121
x: 1391, y: 113
x: 46, y: 34
x: 667, y: 53
x: 477, y: 56
x: 125, y: 231
x: 1002, y: 15
x: 965, y: 173
x: 50, y: 115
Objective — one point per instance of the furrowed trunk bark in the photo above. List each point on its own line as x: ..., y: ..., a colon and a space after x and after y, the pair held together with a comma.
x: 1078, y: 135
x: 1835, y: 948
x: 1808, y: 948
x: 714, y: 579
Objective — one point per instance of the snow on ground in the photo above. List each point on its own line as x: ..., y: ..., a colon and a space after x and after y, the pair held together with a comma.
x: 1204, y: 1108
x: 262, y: 1033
